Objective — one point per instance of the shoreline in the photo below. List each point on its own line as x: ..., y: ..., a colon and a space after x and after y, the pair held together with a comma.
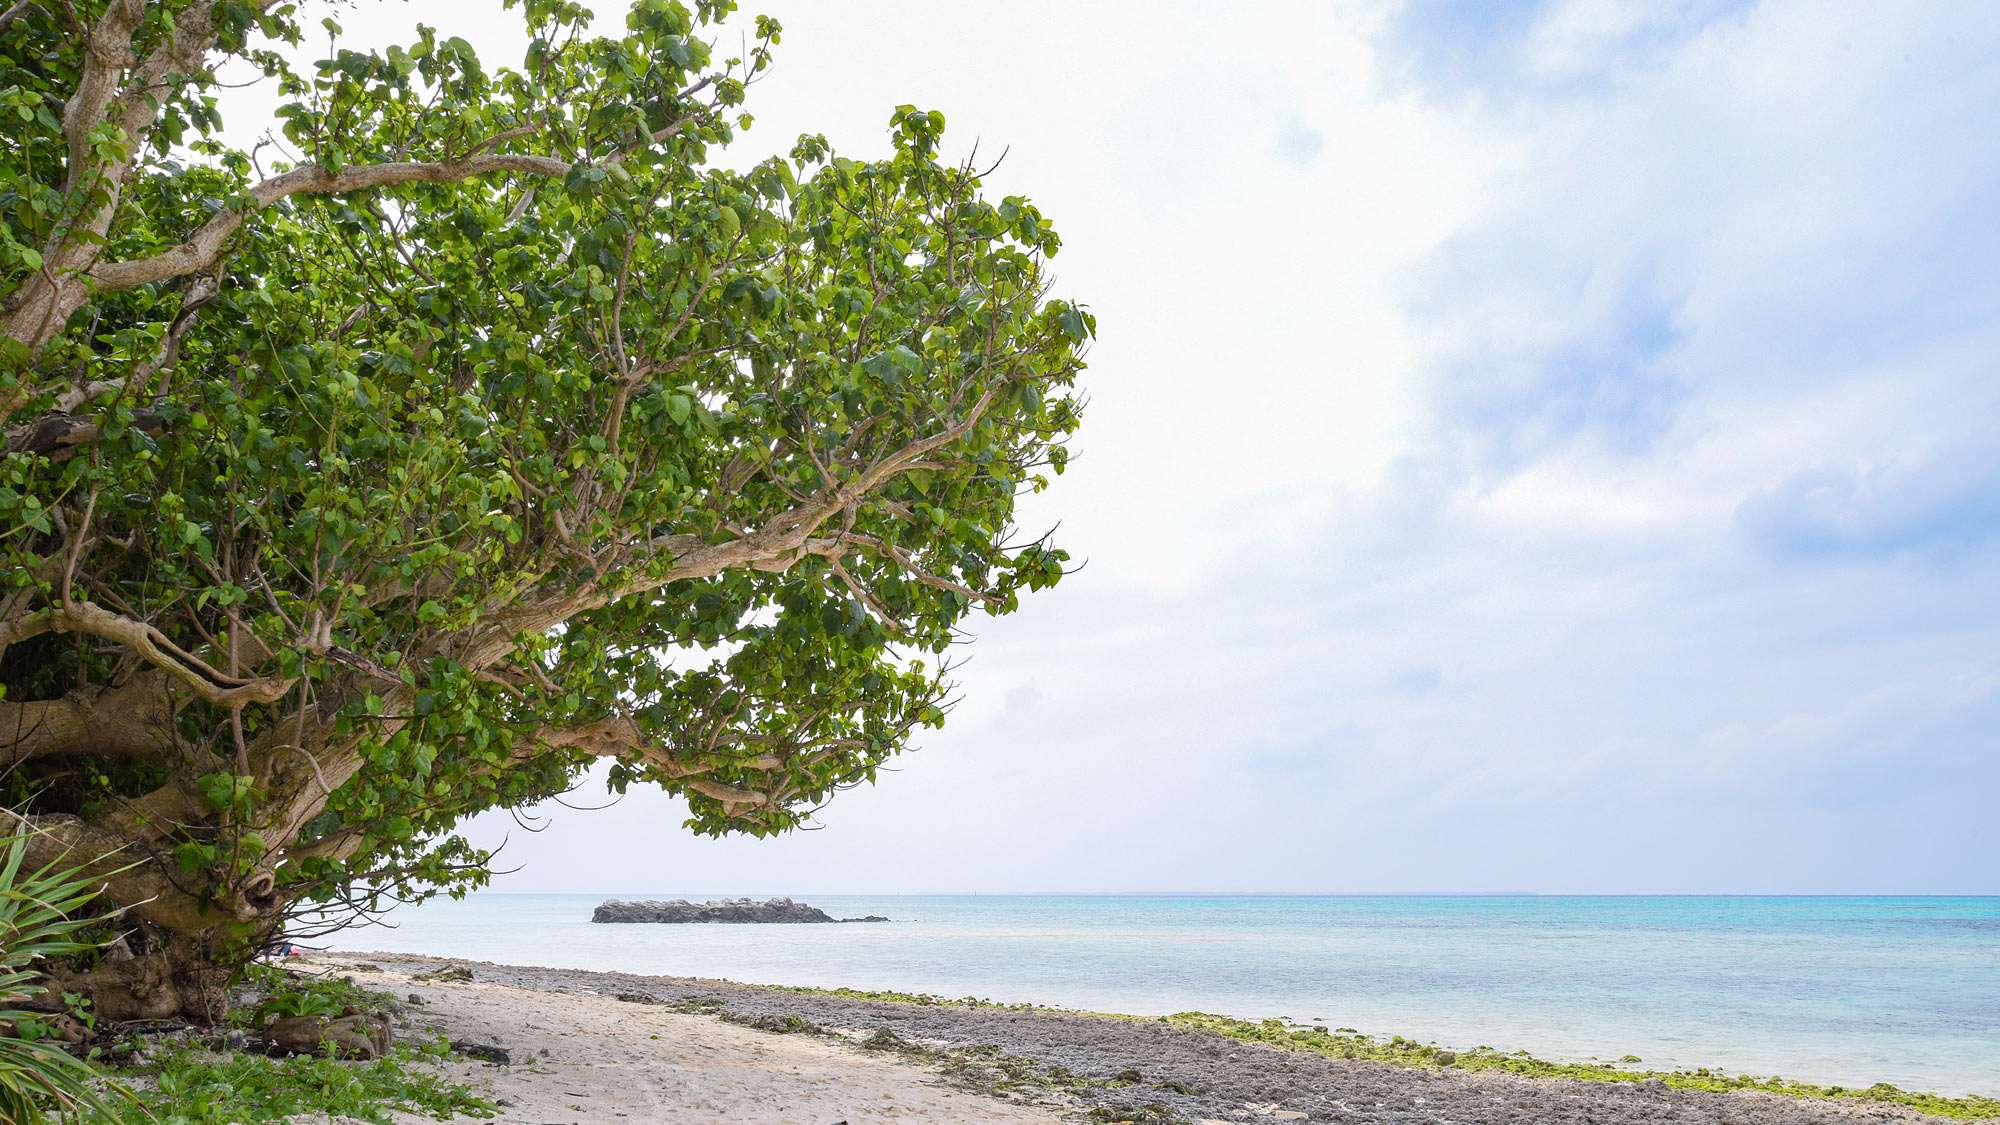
x: 1820, y: 991
x: 1089, y: 1066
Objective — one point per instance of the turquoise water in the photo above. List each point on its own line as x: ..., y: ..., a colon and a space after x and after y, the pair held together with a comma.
x: 1837, y: 990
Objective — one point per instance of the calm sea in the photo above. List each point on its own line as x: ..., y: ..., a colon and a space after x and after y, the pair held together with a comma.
x: 1836, y: 990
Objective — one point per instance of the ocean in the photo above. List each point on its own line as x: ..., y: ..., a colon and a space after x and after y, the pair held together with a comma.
x: 1836, y: 990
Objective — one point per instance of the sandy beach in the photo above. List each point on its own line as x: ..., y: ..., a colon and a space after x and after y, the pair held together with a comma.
x: 609, y: 1047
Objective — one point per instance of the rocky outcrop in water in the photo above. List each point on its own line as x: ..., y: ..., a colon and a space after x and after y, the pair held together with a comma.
x: 716, y: 910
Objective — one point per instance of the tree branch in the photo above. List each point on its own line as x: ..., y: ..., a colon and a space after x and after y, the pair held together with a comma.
x: 106, y: 54
x: 15, y: 12
x: 201, y: 249
x: 126, y: 722
x: 896, y: 555
x: 152, y: 646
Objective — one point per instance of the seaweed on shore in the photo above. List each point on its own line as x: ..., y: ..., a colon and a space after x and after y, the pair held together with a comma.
x: 1398, y: 1051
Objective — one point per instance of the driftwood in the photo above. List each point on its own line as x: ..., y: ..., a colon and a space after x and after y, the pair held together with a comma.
x: 353, y: 1034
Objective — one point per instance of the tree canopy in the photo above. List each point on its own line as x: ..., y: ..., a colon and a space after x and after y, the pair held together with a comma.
x: 480, y: 428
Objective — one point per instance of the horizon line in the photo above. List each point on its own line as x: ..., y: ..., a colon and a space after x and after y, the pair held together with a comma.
x: 1277, y: 894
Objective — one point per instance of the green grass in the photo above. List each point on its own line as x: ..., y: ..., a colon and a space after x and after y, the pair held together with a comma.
x: 198, y: 1087
x: 191, y: 1085
x: 1399, y: 1051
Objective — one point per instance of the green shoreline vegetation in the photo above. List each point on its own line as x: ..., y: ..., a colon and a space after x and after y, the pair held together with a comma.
x: 210, y: 1082
x: 1346, y: 1043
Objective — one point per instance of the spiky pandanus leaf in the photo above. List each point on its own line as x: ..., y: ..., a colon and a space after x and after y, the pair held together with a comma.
x: 41, y: 912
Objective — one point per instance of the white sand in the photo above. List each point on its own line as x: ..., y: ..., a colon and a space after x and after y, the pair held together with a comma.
x: 598, y: 1059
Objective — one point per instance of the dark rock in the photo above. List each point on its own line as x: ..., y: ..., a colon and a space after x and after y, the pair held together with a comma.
x: 485, y: 1052
x: 446, y: 972
x: 717, y: 910
x: 638, y: 998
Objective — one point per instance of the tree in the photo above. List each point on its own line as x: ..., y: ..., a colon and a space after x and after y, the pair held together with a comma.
x: 494, y: 433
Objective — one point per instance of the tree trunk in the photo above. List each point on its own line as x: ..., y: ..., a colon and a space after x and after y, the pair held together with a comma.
x: 181, y: 979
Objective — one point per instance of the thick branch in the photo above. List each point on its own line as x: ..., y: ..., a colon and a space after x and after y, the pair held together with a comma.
x: 129, y: 721
x: 59, y: 436
x: 152, y: 645
x: 201, y: 249
x: 621, y: 737
x: 106, y: 54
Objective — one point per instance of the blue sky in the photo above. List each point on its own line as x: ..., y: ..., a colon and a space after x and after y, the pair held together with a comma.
x: 1540, y: 446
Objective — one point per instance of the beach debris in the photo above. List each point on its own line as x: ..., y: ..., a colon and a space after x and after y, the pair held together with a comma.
x: 485, y: 1052
x: 445, y: 973
x: 739, y: 910
x: 231, y: 1040
x: 771, y: 1021
x: 883, y: 1040
x: 353, y: 1034
x: 639, y: 998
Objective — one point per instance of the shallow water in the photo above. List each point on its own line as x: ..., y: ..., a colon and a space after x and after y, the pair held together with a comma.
x: 1837, y: 990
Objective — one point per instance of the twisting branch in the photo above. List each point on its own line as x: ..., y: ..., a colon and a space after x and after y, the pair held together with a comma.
x: 106, y: 54
x: 909, y: 566
x: 152, y: 646
x: 201, y: 249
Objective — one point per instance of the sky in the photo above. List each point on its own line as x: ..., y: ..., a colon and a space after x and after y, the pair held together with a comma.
x: 1535, y: 446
